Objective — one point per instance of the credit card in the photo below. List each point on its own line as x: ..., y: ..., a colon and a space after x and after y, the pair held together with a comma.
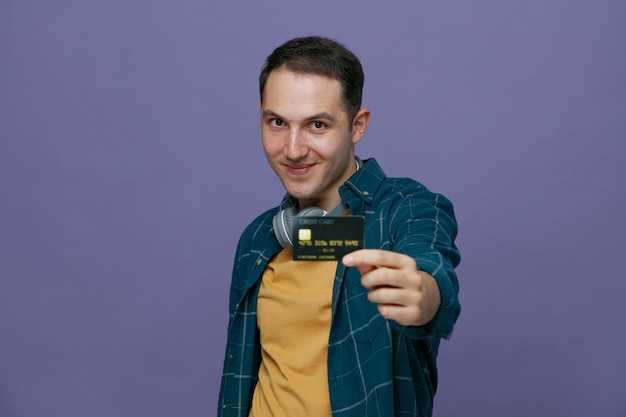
x: 326, y: 238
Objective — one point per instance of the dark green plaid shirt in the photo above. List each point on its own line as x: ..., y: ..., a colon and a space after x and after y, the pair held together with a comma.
x: 375, y: 367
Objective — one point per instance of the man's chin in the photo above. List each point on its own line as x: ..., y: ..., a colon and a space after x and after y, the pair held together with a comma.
x: 300, y: 194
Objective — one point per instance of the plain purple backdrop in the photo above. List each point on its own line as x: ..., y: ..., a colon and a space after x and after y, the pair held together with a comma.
x: 130, y: 162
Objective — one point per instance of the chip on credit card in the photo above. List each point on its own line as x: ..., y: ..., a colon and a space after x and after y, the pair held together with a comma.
x: 326, y: 238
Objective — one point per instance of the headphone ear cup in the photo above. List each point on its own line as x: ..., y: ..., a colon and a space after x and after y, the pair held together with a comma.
x: 282, y: 226
x: 282, y: 223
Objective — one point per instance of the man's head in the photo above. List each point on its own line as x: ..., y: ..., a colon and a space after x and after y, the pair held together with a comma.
x: 319, y: 56
x: 308, y: 131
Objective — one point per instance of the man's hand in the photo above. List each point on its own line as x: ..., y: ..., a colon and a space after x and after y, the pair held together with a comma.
x: 404, y: 294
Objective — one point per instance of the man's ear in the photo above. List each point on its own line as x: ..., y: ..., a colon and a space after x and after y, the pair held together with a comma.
x: 359, y: 124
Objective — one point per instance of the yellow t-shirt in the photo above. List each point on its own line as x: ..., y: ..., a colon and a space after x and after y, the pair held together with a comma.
x: 293, y: 316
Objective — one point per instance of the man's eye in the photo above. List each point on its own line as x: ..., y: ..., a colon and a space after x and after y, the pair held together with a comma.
x: 318, y: 125
x: 276, y: 122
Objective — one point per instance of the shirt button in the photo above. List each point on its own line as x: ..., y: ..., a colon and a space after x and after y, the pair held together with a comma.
x: 366, y: 194
x: 259, y: 262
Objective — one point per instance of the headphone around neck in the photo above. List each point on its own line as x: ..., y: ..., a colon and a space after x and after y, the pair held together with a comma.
x: 284, y: 219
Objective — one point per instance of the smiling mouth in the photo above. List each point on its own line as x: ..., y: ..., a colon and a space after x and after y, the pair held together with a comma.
x: 298, y: 169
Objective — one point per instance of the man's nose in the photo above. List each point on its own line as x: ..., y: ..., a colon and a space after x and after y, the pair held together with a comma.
x: 296, y: 146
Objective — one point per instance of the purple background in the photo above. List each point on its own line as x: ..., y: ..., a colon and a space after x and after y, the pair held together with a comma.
x: 130, y: 162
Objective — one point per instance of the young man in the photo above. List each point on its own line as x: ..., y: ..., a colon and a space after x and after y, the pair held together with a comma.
x: 358, y: 337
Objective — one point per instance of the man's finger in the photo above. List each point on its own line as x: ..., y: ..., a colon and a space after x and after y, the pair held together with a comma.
x: 373, y: 258
x: 367, y: 260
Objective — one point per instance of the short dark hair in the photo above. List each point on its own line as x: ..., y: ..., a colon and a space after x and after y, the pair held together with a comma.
x: 319, y: 56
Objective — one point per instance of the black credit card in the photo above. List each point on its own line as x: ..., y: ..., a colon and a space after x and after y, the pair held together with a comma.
x: 326, y: 238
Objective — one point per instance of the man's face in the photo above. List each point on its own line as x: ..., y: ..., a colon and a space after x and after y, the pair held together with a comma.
x: 307, y: 136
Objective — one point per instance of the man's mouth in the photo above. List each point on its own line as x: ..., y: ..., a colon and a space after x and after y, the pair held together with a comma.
x: 299, y: 169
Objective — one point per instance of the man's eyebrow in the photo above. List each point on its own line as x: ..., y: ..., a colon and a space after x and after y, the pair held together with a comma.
x: 269, y: 112
x: 323, y: 116
x: 318, y: 116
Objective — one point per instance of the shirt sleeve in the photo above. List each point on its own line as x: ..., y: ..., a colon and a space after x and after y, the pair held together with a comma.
x: 423, y: 227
